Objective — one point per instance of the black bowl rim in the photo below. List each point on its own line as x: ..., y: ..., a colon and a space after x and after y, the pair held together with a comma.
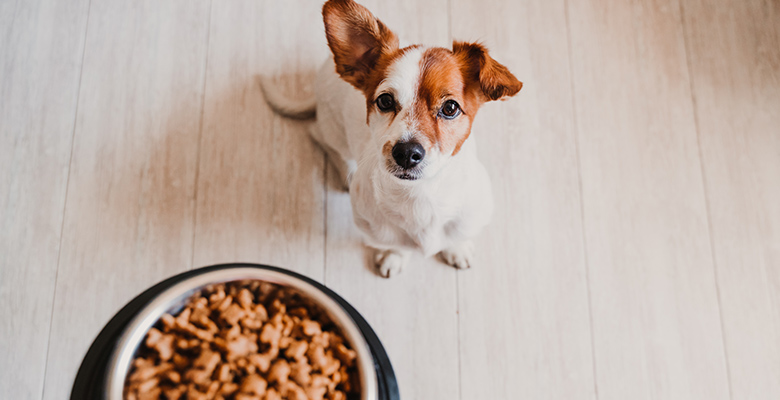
x: 90, y: 378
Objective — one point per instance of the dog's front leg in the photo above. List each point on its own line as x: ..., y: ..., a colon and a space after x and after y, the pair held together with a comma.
x: 460, y: 256
x: 391, y: 262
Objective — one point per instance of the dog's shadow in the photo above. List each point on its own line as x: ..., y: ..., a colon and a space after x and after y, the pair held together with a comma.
x: 265, y: 191
x: 262, y: 179
x: 233, y: 181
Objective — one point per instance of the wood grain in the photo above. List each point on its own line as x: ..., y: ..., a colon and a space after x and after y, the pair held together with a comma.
x: 735, y: 68
x: 128, y: 221
x: 655, y: 311
x: 42, y: 46
x: 415, y: 313
x: 524, y: 318
x: 261, y: 180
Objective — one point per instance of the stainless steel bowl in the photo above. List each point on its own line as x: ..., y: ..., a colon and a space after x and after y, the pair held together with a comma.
x: 174, y: 298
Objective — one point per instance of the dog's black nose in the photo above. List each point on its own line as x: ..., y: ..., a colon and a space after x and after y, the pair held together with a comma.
x: 408, y: 154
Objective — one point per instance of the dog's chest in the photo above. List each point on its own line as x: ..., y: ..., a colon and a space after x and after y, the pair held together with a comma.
x: 422, y: 220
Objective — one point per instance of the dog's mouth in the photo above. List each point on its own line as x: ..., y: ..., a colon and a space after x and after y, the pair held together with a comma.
x: 407, y: 176
x: 411, y: 174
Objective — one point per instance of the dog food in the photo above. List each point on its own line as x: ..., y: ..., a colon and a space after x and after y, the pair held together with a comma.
x: 246, y: 340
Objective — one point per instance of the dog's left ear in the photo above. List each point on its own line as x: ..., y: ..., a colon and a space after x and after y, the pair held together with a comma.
x: 356, y: 38
x: 493, y: 79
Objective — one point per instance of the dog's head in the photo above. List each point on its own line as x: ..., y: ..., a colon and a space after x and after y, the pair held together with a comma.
x: 420, y: 101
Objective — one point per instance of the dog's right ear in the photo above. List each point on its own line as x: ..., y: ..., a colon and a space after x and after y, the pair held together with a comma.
x: 356, y: 38
x: 493, y: 78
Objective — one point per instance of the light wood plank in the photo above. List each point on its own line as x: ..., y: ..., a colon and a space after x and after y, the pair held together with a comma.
x: 130, y: 203
x: 524, y: 318
x: 260, y: 187
x: 734, y: 53
x: 42, y: 46
x: 655, y: 311
x: 413, y: 313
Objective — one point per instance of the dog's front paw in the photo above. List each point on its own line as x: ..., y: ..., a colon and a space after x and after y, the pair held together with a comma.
x: 390, y: 262
x: 460, y: 256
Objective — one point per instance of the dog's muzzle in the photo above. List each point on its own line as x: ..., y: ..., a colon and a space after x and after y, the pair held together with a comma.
x: 407, y: 157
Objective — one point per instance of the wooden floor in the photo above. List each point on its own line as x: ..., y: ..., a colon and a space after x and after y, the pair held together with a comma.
x: 635, y: 248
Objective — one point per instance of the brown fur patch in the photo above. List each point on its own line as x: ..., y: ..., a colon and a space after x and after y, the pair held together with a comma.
x: 357, y: 39
x: 493, y: 79
x: 387, y: 150
x: 442, y: 80
x: 467, y: 75
x: 378, y: 74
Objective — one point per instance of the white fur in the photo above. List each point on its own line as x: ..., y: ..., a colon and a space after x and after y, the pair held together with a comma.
x: 439, y: 213
x: 403, y: 77
x: 303, y: 109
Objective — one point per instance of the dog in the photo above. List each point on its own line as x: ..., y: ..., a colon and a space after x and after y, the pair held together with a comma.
x: 396, y: 123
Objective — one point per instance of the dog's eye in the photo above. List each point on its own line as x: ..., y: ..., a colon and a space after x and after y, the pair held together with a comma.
x: 385, y: 102
x: 450, y: 109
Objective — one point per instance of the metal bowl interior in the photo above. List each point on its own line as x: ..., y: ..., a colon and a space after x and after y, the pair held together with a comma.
x: 174, y: 298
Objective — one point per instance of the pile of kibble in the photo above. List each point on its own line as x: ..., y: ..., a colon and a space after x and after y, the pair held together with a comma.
x: 247, y: 340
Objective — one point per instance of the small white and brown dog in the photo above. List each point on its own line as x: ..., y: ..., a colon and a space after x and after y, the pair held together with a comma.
x: 396, y: 123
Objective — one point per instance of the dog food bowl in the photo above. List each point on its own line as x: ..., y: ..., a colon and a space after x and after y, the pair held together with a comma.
x: 105, y: 366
